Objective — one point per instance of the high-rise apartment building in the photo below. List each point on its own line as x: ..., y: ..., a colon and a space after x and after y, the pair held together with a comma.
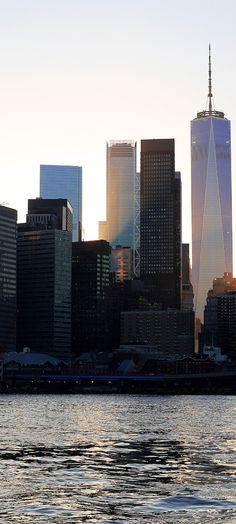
x: 121, y: 196
x: 44, y: 281
x: 64, y: 182
x: 160, y: 222
x: 8, y: 219
x: 211, y: 199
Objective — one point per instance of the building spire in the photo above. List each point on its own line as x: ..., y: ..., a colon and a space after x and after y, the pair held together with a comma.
x: 209, y: 111
x: 210, y: 84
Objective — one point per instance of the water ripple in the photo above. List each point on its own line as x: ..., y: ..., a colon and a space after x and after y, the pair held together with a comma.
x: 115, y: 460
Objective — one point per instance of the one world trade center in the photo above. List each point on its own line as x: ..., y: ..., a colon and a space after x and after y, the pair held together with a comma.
x: 211, y: 199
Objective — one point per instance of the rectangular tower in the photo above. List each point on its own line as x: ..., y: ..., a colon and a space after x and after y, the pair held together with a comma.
x: 64, y: 182
x: 119, y: 227
x: 160, y: 222
x: 8, y: 219
x: 90, y: 283
x: 44, y: 246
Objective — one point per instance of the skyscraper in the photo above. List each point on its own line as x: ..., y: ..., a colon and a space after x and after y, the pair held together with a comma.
x: 64, y: 182
x: 44, y: 246
x: 211, y: 199
x: 160, y: 222
x: 119, y: 227
x: 7, y: 278
x: 90, y: 307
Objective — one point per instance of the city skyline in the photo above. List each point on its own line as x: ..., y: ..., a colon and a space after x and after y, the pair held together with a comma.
x: 63, y: 98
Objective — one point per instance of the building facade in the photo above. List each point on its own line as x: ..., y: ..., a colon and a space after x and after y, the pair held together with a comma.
x: 160, y: 222
x: 44, y: 284
x: 54, y: 213
x: 90, y: 283
x: 8, y: 219
x: 119, y: 229
x: 64, y: 182
x: 122, y: 263
x: 211, y: 199
x: 170, y: 331
x: 217, y: 328
x: 187, y: 288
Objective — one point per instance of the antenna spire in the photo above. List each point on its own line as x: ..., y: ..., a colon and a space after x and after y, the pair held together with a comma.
x: 209, y: 83
x: 209, y: 111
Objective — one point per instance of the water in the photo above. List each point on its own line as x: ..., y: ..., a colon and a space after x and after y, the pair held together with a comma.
x: 117, y: 459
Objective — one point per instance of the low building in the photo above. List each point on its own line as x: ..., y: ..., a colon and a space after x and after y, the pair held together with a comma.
x: 171, y: 331
x: 219, y: 327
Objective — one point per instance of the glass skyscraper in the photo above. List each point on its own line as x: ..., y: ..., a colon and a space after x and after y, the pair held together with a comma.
x: 64, y: 182
x: 211, y: 199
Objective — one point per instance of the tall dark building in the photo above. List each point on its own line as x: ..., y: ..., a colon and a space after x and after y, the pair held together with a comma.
x: 160, y: 222
x: 44, y: 283
x: 90, y: 282
x: 8, y: 219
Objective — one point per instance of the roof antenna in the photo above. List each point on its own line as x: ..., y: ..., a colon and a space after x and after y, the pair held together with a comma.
x: 210, y: 95
x: 209, y: 111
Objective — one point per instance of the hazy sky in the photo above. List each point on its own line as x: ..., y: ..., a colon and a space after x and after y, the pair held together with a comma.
x: 75, y: 73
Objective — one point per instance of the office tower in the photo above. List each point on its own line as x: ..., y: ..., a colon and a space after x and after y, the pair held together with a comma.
x: 44, y: 282
x: 211, y: 199
x: 8, y: 219
x: 187, y: 288
x: 119, y: 229
x: 64, y: 182
x: 160, y: 222
x: 90, y: 283
x: 122, y: 263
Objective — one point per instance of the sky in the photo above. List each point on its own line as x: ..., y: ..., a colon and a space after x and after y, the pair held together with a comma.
x: 76, y: 73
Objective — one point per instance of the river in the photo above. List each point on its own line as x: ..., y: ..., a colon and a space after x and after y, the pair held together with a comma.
x: 116, y: 459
